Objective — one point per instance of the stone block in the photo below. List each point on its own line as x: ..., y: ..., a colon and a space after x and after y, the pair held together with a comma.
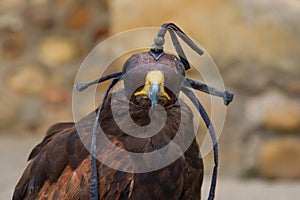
x: 280, y: 158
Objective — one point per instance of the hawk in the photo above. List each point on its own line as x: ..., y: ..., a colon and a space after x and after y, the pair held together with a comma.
x: 61, y: 167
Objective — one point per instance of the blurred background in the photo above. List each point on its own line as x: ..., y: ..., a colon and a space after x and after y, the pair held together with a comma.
x: 255, y: 44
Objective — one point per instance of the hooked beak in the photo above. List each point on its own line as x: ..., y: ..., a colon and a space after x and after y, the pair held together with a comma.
x: 154, y: 93
x: 154, y: 87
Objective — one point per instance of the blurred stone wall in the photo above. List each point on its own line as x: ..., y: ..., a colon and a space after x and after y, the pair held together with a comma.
x: 42, y: 44
x: 255, y: 44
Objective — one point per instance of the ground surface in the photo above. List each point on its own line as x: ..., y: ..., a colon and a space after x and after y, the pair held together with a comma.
x: 15, y: 149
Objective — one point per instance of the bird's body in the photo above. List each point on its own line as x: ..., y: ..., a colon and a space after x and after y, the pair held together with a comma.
x: 59, y: 166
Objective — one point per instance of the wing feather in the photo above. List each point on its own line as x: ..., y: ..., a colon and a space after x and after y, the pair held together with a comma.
x: 54, y: 129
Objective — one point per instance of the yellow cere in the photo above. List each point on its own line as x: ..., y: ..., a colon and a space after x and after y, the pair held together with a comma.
x: 154, y: 76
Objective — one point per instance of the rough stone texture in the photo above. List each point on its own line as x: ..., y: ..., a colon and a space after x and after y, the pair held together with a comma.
x: 13, y: 45
x: 54, y: 95
x: 8, y: 112
x: 274, y: 111
x: 40, y: 19
x: 41, y: 46
x: 56, y: 51
x: 78, y: 18
x: 28, y: 79
x: 7, y: 4
x: 29, y: 112
x: 229, y: 30
x: 283, y: 118
x: 280, y: 158
x: 293, y: 87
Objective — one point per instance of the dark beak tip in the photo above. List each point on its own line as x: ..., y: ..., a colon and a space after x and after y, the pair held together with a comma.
x: 153, y: 105
x: 154, y: 94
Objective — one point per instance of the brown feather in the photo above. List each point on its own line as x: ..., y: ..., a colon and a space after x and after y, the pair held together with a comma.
x: 59, y: 167
x: 56, y: 128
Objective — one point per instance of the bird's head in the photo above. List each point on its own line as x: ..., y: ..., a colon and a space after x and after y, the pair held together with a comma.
x: 149, y: 82
x: 154, y: 87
